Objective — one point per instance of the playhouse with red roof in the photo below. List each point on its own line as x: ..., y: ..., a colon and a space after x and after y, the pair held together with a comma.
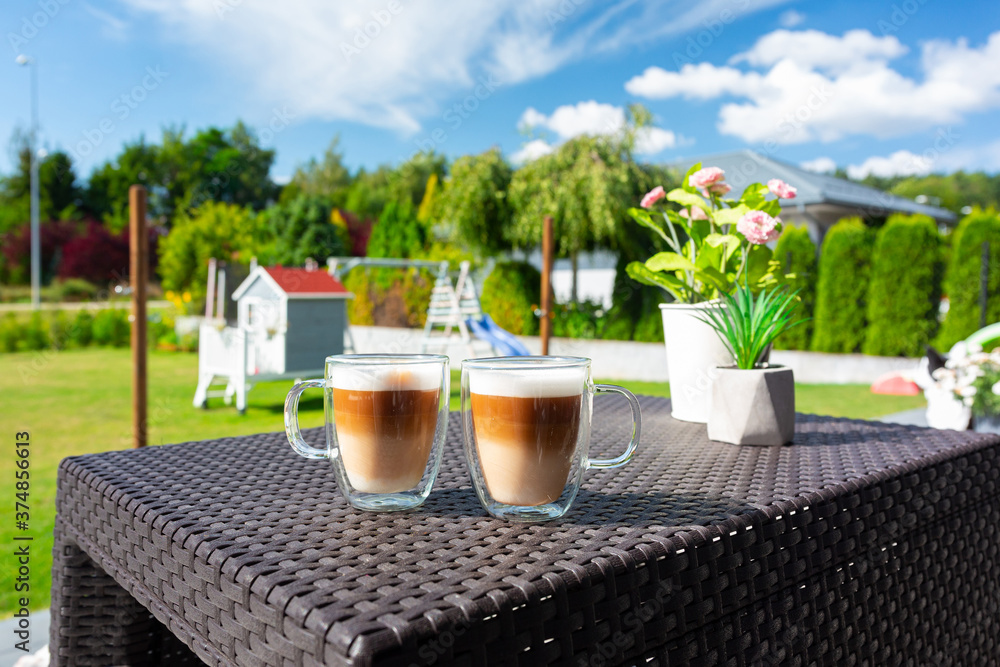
x: 288, y: 321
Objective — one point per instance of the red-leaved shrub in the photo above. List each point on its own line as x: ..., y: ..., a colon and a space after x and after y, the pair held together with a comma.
x: 97, y: 255
x: 53, y: 236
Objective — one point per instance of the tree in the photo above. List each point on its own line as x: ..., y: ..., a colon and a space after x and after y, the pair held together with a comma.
x: 796, y: 253
x: 214, y: 165
x: 474, y: 201
x: 905, y: 290
x: 227, y: 166
x: 951, y: 191
x: 371, y: 191
x: 107, y: 192
x: 844, y: 266
x: 59, y: 196
x: 397, y: 233
x: 224, y: 231
x: 962, y: 282
x: 328, y: 177
x: 304, y: 228
x: 408, y: 182
x: 586, y: 185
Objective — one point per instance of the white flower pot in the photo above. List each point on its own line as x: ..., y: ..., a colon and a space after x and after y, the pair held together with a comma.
x: 753, y: 407
x: 694, y: 353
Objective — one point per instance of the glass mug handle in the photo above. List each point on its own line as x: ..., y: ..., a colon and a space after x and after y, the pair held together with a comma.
x: 633, y: 403
x: 301, y: 447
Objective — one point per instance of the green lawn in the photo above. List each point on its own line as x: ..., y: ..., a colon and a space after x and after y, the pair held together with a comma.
x: 78, y: 402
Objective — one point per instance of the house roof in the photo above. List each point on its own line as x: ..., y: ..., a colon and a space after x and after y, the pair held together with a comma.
x: 745, y: 167
x: 296, y: 283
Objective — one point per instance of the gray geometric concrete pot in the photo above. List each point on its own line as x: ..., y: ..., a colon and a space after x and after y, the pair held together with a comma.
x: 753, y: 407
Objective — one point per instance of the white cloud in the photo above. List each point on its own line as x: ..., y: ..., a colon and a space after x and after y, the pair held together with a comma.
x: 532, y: 150
x: 652, y: 140
x: 703, y: 81
x: 812, y: 49
x: 314, y: 56
x: 821, y: 165
x: 791, y: 18
x: 594, y: 118
x: 823, y: 87
x: 900, y: 163
x: 571, y: 120
x: 532, y: 117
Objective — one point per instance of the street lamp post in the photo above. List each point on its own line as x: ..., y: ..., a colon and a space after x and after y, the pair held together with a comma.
x: 36, y: 250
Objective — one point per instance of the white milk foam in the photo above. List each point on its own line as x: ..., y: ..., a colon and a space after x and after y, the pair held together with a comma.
x: 397, y: 377
x: 536, y: 383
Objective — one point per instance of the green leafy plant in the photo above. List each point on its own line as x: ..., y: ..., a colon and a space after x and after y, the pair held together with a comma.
x: 81, y: 332
x: 748, y: 325
x: 986, y: 401
x: 10, y: 333
x: 111, y: 328
x: 704, y: 236
x: 36, y: 333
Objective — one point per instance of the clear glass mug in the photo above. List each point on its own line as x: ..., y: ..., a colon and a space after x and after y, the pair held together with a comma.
x: 526, y: 426
x: 386, y: 420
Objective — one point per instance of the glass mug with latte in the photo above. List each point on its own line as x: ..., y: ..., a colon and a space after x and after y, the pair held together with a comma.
x: 526, y: 426
x: 386, y: 421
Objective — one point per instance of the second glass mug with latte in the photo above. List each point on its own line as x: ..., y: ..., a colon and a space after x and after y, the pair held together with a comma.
x: 526, y: 425
x: 386, y: 422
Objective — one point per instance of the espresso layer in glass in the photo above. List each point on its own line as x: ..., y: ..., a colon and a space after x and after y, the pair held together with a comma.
x: 526, y: 445
x: 385, y: 436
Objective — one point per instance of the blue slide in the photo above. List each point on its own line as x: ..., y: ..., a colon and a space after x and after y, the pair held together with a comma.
x: 502, y: 341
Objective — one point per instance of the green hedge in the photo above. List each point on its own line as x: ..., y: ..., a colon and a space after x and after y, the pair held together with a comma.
x: 962, y: 282
x: 796, y: 253
x: 389, y: 297
x: 59, y: 330
x: 844, y: 265
x: 905, y: 291
x: 510, y: 295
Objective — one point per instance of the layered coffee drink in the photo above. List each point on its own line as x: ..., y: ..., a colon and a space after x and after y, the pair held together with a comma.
x: 526, y: 429
x: 385, y: 418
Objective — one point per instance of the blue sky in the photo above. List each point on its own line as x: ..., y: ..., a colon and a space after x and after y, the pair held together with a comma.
x: 905, y: 86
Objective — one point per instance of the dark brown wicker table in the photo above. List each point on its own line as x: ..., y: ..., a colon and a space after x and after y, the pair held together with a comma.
x: 861, y: 544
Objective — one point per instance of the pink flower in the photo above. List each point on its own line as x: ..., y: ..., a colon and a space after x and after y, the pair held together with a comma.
x: 717, y: 189
x: 653, y: 196
x: 703, y: 179
x: 758, y: 227
x: 781, y: 189
x: 696, y: 213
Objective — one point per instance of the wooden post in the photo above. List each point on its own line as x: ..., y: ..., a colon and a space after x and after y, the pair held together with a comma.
x: 984, y: 283
x: 546, y: 283
x: 220, y: 306
x: 210, y: 295
x: 138, y: 278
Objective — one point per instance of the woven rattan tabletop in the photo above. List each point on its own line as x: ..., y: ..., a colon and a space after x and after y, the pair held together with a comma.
x: 694, y: 553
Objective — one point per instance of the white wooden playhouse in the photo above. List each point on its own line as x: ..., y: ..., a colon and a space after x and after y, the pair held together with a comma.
x: 288, y: 321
